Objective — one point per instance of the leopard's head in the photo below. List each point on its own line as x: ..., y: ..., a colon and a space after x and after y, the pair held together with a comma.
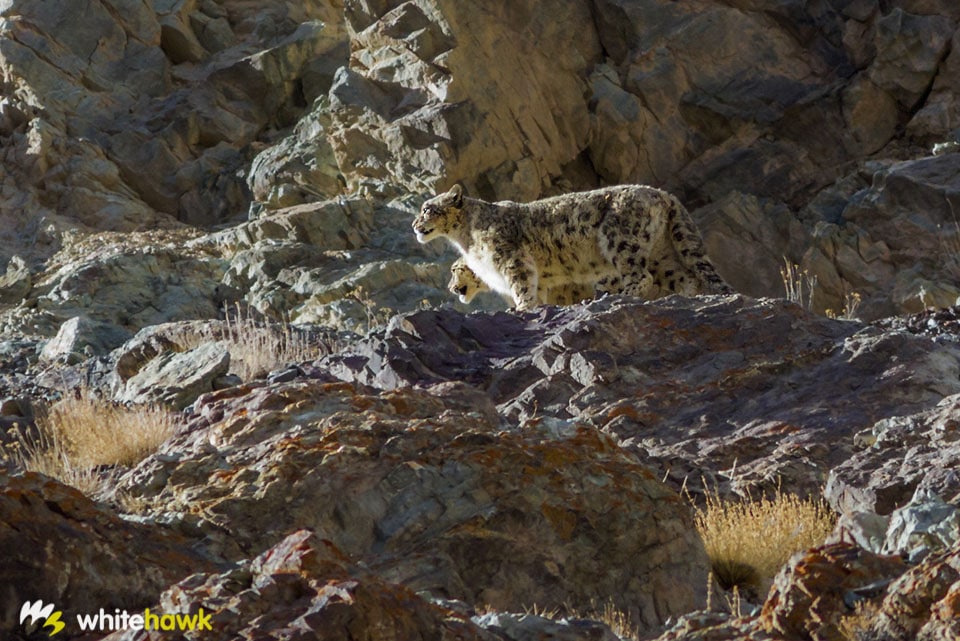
x: 440, y: 215
x: 464, y: 282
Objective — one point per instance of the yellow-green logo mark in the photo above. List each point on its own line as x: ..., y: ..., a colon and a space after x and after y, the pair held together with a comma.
x: 37, y: 610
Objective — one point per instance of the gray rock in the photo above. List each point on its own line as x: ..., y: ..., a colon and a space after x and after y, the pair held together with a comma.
x: 336, y: 599
x: 531, y: 627
x: 924, y: 526
x: 133, y: 287
x: 719, y: 387
x: 81, y: 337
x: 866, y: 529
x: 898, y: 456
x: 894, y: 244
x: 16, y: 283
x: 47, y: 521
x: 909, y: 50
x: 428, y: 489
x: 176, y: 379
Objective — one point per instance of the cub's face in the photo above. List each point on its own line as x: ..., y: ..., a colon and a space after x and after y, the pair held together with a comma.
x: 439, y: 216
x: 463, y: 282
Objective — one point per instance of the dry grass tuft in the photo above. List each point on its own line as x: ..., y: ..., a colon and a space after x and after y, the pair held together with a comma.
x: 797, y: 285
x: 749, y: 541
x: 618, y: 621
x: 856, y: 626
x: 258, y: 348
x: 76, y: 437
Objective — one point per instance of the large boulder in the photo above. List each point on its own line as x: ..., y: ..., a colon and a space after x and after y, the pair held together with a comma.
x: 431, y: 491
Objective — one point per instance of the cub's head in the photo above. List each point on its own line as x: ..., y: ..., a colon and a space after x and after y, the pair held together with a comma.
x: 440, y: 215
x: 463, y: 282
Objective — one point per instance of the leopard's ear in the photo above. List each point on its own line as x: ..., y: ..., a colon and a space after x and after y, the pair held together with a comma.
x: 456, y: 195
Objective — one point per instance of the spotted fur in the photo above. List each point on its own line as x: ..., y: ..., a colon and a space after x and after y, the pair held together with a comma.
x: 465, y: 284
x: 628, y: 239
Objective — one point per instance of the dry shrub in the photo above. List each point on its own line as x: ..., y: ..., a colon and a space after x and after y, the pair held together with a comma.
x: 856, y: 626
x: 620, y: 622
x: 256, y: 347
x: 748, y: 541
x: 77, y: 437
x: 798, y: 285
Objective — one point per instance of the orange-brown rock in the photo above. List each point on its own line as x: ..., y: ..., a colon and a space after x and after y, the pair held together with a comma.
x: 813, y: 592
x: 59, y: 546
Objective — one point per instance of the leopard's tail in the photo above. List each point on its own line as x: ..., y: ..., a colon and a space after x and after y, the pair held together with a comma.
x: 688, y: 243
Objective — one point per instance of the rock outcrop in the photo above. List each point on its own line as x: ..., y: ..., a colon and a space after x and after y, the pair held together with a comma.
x: 430, y: 490
x: 812, y: 144
x: 169, y: 167
x: 61, y: 547
x: 698, y: 384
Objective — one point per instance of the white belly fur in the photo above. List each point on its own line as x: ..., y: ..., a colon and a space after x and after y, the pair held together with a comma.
x: 486, y: 272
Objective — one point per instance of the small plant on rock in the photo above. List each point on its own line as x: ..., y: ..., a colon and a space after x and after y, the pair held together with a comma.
x: 256, y: 348
x: 797, y: 285
x: 856, y: 626
x: 377, y: 316
x: 748, y: 541
x: 78, y: 436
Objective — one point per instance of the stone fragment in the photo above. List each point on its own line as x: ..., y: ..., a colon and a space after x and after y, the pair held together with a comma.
x: 431, y: 492
x: 16, y: 282
x: 909, y: 50
x: 809, y: 596
x: 305, y: 587
x: 176, y: 379
x: 81, y: 337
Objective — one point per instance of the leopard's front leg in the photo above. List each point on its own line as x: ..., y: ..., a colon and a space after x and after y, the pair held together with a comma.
x: 520, y: 273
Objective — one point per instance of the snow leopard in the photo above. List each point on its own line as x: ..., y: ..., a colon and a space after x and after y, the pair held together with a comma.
x: 637, y: 240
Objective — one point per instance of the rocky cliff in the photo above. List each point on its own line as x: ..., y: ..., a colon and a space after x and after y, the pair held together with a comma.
x: 404, y: 469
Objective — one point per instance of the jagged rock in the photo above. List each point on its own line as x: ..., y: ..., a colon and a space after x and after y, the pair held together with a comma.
x: 61, y: 547
x: 774, y: 232
x: 81, y: 337
x: 791, y: 130
x: 813, y: 592
x: 430, y: 491
x: 909, y: 50
x: 16, y: 282
x: 697, y: 384
x: 819, y: 588
x: 135, y: 120
x: 176, y: 379
x: 894, y: 243
x: 940, y: 113
x: 923, y: 604
x: 122, y: 282
x: 530, y: 627
x: 871, y: 115
x: 333, y: 262
x: 188, y: 110
x: 304, y: 587
x: 927, y: 524
x: 897, y: 457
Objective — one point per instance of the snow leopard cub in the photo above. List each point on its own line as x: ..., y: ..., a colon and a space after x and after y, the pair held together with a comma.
x: 466, y: 285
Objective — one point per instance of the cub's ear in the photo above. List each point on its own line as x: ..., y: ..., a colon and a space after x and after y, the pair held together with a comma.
x: 456, y: 195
